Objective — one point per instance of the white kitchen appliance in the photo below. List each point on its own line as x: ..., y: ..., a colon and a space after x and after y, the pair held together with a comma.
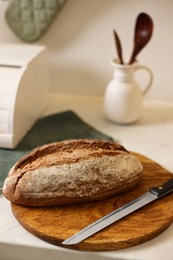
x: 23, y: 90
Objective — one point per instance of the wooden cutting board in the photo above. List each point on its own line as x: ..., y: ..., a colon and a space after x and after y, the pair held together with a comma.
x: 54, y: 224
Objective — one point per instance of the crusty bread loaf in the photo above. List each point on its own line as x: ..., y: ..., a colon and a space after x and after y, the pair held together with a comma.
x: 72, y: 171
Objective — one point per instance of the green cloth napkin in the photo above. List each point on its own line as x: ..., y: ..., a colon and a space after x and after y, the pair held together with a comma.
x: 56, y: 127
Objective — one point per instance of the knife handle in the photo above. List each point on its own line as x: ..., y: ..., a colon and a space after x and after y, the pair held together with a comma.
x: 162, y: 190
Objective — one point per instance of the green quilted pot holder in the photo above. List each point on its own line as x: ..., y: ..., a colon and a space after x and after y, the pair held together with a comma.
x: 29, y: 19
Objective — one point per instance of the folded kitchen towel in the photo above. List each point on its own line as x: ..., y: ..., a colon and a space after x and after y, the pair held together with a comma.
x: 56, y: 127
x: 30, y: 19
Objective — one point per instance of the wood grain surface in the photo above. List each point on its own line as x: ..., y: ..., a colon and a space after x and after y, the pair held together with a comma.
x: 55, y: 224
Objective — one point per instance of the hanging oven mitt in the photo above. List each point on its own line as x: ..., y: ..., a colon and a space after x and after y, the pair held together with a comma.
x: 29, y: 19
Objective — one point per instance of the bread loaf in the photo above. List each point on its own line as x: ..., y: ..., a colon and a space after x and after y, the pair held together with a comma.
x: 72, y: 171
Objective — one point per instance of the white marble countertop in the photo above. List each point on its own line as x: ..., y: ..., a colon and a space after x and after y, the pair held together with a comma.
x: 152, y: 136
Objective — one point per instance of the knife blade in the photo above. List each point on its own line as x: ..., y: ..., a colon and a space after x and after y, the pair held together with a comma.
x: 148, y: 197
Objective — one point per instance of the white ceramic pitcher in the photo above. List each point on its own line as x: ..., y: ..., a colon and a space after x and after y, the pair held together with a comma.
x: 124, y: 96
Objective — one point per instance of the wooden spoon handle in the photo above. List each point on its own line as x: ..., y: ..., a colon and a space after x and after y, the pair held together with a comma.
x: 119, y: 48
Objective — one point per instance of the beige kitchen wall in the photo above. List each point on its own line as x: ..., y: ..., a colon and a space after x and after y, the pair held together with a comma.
x: 80, y: 44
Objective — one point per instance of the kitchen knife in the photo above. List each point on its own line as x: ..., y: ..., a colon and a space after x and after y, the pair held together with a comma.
x: 153, y: 194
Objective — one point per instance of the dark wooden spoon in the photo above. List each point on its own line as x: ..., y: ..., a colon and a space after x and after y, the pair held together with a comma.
x: 118, y: 46
x: 143, y: 33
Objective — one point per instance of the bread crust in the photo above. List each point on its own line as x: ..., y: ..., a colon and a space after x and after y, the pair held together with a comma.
x: 72, y: 171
